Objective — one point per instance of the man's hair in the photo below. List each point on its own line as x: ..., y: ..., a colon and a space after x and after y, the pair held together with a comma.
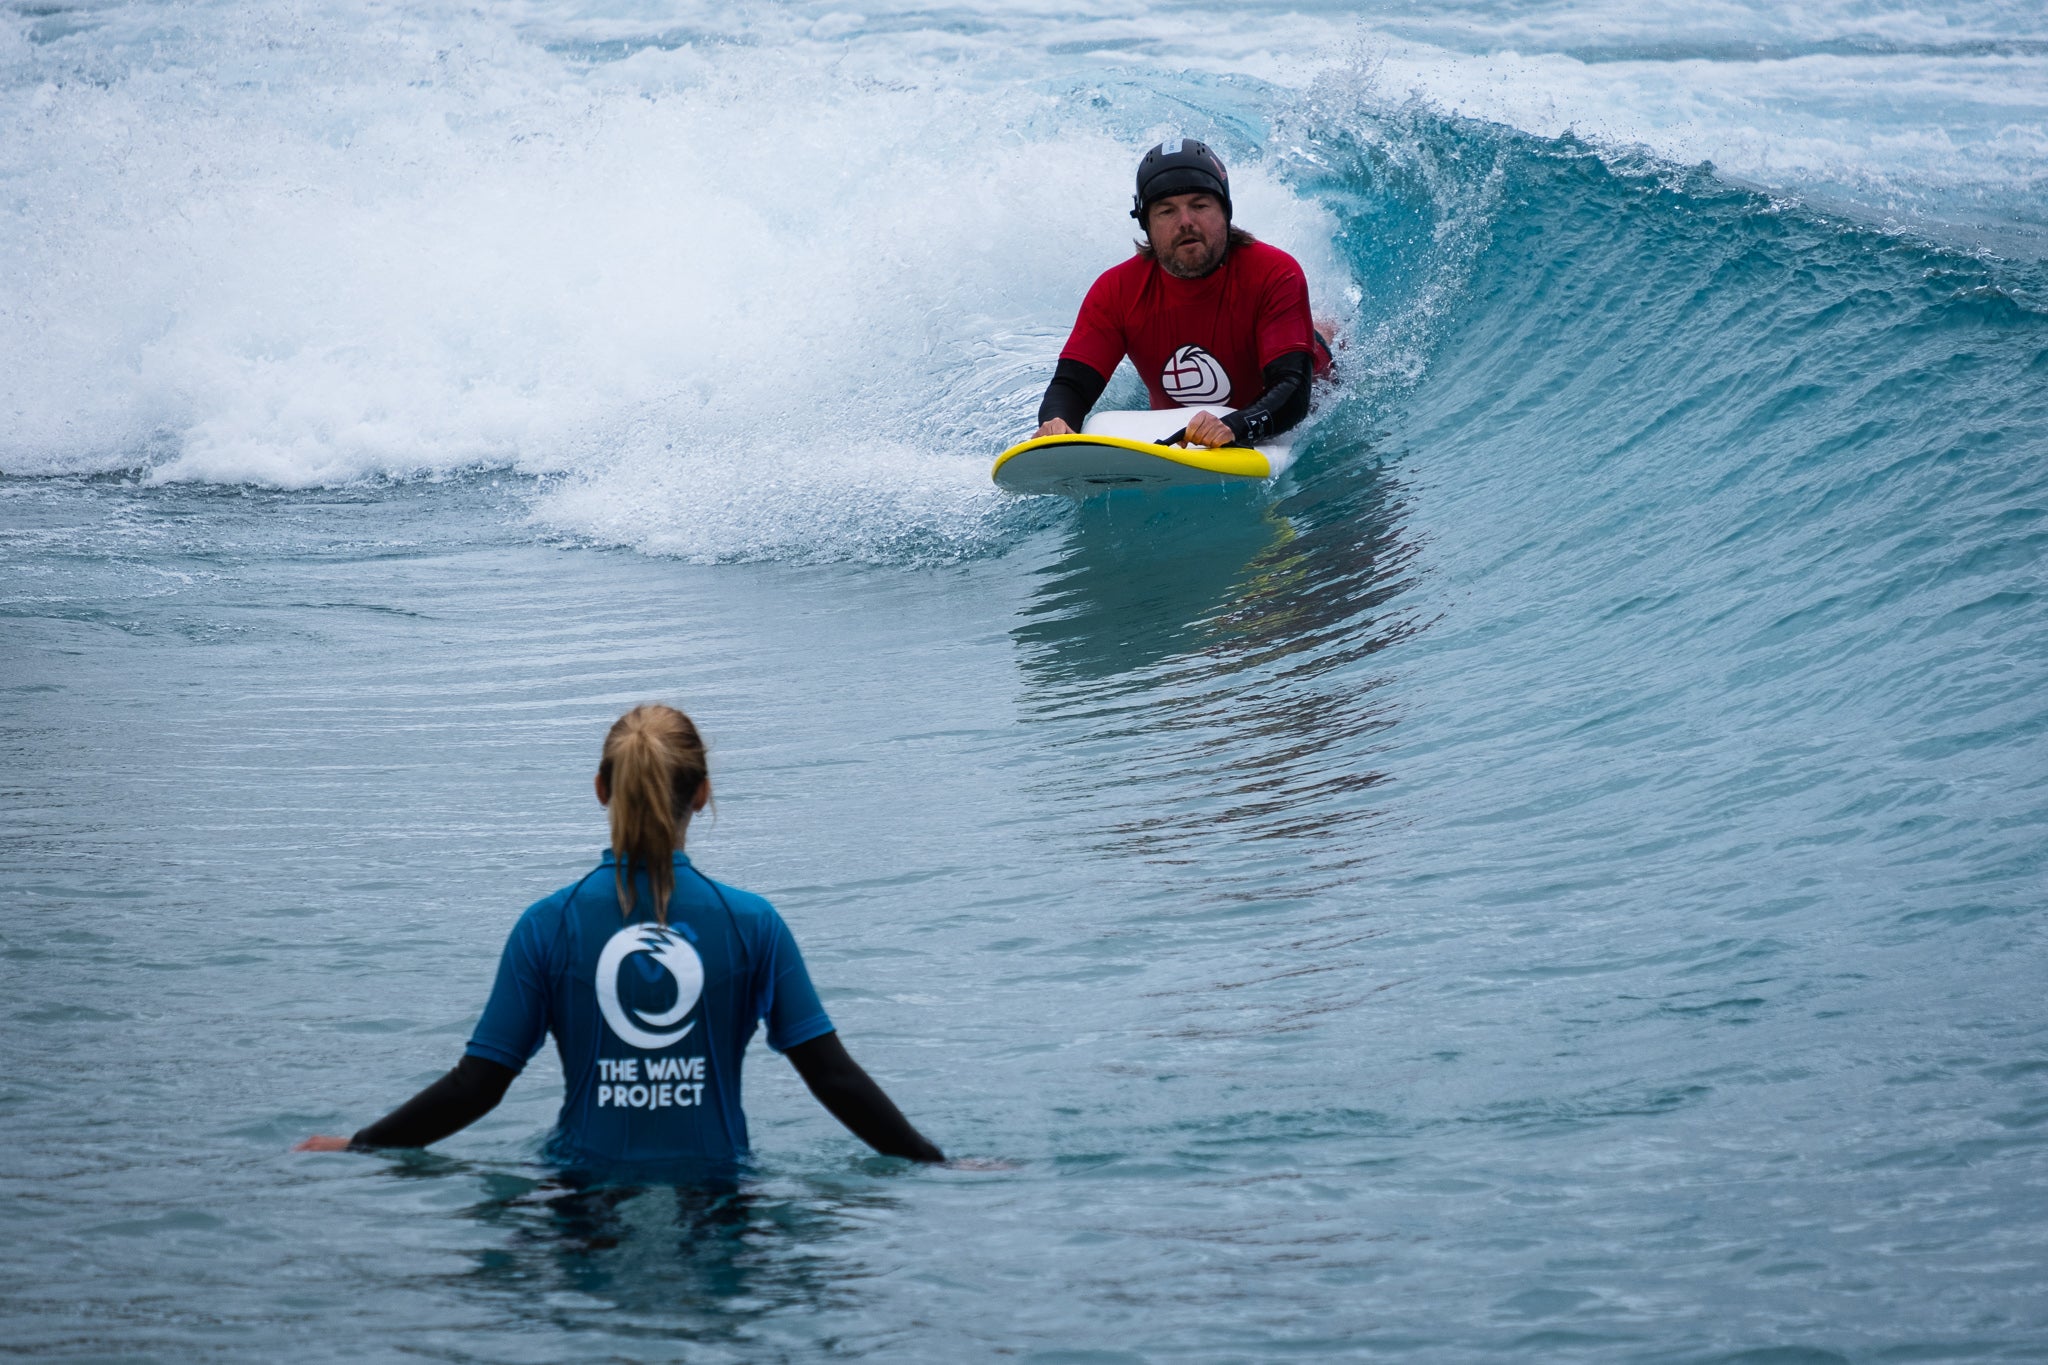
x: 1238, y: 237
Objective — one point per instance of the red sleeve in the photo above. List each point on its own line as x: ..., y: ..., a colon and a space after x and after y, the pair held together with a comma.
x: 1284, y: 321
x: 1097, y: 340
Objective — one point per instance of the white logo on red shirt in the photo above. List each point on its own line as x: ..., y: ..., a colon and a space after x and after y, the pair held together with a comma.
x: 1191, y: 375
x: 674, y: 953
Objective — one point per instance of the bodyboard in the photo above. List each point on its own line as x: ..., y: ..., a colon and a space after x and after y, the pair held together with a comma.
x: 1120, y: 450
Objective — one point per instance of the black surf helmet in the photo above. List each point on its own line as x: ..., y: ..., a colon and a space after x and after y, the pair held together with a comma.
x: 1189, y: 168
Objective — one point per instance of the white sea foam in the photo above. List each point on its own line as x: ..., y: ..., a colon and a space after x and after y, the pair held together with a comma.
x: 743, y: 303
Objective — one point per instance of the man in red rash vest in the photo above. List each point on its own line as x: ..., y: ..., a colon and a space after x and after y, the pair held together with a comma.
x: 1207, y: 314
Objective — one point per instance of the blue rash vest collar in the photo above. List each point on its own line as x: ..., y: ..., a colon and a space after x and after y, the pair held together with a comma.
x: 609, y: 857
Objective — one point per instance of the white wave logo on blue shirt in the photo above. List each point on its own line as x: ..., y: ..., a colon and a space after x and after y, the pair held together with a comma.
x: 672, y: 952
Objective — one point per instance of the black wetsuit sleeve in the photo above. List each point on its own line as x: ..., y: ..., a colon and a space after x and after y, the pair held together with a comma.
x: 1073, y: 391
x: 856, y: 1101
x: 1282, y: 405
x: 449, y: 1105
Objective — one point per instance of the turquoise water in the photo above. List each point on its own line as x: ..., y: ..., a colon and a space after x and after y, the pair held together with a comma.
x: 1559, y: 877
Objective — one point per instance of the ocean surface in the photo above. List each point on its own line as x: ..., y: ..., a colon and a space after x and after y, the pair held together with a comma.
x: 1559, y: 877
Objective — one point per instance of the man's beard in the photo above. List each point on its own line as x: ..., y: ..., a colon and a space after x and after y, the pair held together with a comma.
x: 1208, y: 261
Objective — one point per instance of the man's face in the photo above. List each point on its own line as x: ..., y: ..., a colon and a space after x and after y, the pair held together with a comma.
x: 1188, y: 233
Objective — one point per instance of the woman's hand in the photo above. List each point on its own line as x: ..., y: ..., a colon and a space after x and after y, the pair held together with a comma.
x: 1053, y: 427
x: 320, y: 1143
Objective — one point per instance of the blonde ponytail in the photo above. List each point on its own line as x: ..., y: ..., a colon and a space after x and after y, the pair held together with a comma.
x: 653, y: 765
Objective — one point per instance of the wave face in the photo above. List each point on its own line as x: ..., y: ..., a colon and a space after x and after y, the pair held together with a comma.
x: 1557, y: 877
x: 653, y: 263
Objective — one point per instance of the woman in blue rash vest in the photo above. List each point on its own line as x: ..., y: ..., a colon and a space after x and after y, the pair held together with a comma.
x: 652, y: 978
